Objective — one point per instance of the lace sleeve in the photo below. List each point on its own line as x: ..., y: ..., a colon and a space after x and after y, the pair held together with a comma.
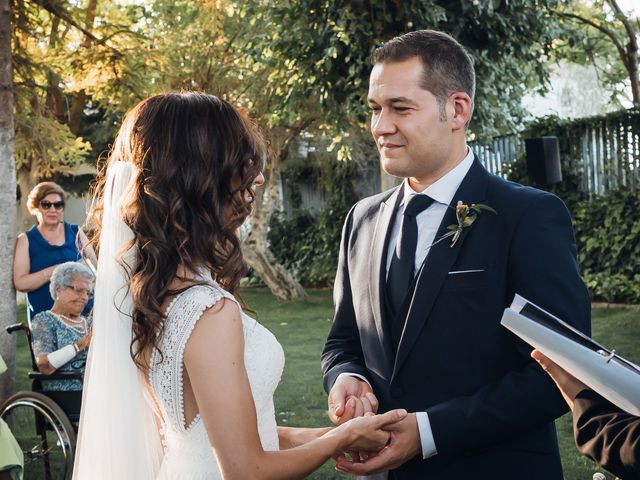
x: 166, y: 371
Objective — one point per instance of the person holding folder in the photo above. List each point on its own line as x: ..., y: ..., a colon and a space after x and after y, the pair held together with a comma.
x: 603, y: 432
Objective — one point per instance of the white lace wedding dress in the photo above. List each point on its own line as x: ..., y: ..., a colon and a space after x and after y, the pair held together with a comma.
x: 188, y: 453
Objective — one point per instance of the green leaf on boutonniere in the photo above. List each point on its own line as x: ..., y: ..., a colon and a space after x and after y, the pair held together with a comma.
x: 478, y: 207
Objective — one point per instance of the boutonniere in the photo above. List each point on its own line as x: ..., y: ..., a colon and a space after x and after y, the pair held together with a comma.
x: 466, y: 216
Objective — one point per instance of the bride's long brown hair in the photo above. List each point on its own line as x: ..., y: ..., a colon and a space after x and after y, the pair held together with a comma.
x: 195, y: 158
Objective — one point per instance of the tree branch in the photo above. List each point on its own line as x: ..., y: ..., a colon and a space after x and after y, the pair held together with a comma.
x: 292, y: 134
x: 619, y: 14
x: 125, y: 31
x: 54, y: 10
x: 609, y: 33
x: 31, y: 85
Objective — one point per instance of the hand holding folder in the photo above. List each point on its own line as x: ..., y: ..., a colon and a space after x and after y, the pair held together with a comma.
x: 602, y: 370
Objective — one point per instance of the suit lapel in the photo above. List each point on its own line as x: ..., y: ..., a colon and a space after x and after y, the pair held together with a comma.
x: 439, y: 260
x: 377, y: 272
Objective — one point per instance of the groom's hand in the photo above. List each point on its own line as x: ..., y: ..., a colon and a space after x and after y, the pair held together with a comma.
x: 350, y: 397
x: 403, y: 446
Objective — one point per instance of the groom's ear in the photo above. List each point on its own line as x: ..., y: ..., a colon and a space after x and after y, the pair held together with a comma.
x: 459, y: 107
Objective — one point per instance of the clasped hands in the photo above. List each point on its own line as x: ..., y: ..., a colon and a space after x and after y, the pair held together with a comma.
x: 350, y: 398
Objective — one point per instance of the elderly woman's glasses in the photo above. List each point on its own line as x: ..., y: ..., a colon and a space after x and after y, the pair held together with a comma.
x: 46, y: 204
x: 87, y: 291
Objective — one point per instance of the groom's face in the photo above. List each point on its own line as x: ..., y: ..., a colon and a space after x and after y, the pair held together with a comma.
x: 411, y: 129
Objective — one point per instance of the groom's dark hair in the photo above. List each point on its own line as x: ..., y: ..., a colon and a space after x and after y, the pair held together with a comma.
x: 448, y: 68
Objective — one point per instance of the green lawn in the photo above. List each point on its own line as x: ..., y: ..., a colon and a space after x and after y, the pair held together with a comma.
x: 302, y: 327
x: 23, y: 361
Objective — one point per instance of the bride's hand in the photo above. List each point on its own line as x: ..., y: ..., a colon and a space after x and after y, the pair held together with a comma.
x: 366, y: 433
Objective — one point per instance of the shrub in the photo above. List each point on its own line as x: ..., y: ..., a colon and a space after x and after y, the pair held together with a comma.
x: 308, y: 247
x: 607, y: 232
x: 307, y: 244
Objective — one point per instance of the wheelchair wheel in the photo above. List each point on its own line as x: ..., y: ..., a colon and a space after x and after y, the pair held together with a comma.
x: 44, y: 434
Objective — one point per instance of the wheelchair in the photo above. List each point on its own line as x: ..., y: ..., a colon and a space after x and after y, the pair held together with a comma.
x: 44, y: 422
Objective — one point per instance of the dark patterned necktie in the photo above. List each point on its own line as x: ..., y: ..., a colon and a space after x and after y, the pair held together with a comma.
x: 401, y: 270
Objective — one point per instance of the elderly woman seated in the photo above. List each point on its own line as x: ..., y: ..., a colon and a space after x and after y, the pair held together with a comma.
x: 61, y: 335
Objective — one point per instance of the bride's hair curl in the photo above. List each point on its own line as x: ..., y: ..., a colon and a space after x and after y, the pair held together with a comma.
x: 195, y: 158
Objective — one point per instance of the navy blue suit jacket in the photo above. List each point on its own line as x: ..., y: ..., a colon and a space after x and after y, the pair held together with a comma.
x: 491, y: 408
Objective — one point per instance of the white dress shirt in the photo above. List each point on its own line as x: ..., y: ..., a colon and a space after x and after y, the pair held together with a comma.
x: 428, y: 221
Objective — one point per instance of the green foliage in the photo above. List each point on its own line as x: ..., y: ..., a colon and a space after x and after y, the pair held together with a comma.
x: 40, y: 137
x: 308, y: 245
x: 294, y: 65
x: 71, y: 61
x: 320, y: 49
x: 595, y: 33
x: 565, y: 127
x: 607, y: 232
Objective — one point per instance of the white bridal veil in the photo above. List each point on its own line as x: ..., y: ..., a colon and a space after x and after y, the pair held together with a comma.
x: 118, y: 438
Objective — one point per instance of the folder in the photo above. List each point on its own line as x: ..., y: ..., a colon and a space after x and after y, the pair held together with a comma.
x: 602, y: 370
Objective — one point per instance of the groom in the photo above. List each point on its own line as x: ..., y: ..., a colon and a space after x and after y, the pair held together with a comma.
x: 417, y: 320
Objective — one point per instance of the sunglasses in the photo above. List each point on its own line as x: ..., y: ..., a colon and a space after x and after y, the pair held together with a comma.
x: 80, y: 291
x: 46, y: 204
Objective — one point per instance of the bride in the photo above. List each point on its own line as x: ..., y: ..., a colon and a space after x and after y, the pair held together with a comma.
x: 180, y: 381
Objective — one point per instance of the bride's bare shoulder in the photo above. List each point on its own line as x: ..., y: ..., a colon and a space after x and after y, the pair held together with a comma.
x: 220, y: 325
x: 224, y: 310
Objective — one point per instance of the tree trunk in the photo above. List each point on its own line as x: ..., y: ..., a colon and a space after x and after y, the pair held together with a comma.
x: 26, y: 182
x: 629, y: 52
x: 632, y: 68
x: 635, y: 83
x: 54, y: 101
x: 256, y: 246
x: 8, y: 201
x: 78, y: 103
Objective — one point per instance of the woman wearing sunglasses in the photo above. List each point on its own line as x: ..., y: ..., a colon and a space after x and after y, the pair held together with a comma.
x: 49, y: 243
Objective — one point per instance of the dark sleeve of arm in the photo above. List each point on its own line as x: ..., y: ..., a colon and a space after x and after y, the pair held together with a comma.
x: 342, y: 352
x: 607, y: 435
x: 542, y: 267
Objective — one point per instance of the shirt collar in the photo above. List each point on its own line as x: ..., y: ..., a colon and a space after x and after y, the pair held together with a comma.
x: 443, y: 189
